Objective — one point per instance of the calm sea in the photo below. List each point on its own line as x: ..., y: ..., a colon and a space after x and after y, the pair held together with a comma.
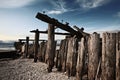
x: 7, y: 46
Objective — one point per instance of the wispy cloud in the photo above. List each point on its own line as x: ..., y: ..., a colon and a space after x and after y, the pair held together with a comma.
x: 91, y: 3
x: 55, y: 12
x: 59, y: 7
x: 14, y: 3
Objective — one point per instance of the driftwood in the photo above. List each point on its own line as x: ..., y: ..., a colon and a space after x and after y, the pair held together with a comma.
x: 108, y: 56
x: 118, y: 56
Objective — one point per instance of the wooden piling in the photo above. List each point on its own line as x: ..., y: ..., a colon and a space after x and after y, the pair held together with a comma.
x: 42, y: 51
x: 80, y: 60
x: 56, y: 58
x: 118, y: 56
x: 65, y: 55
x: 27, y: 46
x: 62, y: 56
x: 72, y: 56
x: 50, y: 47
x: 93, y: 54
x: 108, y: 56
x: 36, y: 45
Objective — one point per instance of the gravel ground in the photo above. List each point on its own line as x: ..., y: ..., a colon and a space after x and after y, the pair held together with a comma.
x: 26, y: 69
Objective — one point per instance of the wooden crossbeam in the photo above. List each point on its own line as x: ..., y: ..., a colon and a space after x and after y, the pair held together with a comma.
x: 31, y: 40
x: 55, y: 22
x: 46, y: 32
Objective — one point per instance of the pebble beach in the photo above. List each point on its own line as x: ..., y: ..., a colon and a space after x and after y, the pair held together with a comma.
x: 26, y: 69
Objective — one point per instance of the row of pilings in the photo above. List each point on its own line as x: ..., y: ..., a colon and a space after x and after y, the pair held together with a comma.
x: 91, y: 58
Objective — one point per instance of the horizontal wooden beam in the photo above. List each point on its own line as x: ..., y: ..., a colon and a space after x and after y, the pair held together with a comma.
x: 31, y: 40
x: 45, y: 32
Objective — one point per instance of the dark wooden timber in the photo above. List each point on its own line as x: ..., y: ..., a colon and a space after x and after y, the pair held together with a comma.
x: 55, y: 22
x: 27, y: 46
x: 50, y: 47
x: 8, y: 54
x: 46, y: 32
x: 31, y: 40
x: 36, y: 44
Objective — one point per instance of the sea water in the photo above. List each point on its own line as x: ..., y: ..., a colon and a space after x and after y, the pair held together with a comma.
x: 7, y: 46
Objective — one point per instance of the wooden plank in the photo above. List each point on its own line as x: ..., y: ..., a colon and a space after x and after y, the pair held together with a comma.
x: 46, y: 32
x: 108, y: 56
x: 31, y: 40
x: 94, y: 51
x: 118, y: 56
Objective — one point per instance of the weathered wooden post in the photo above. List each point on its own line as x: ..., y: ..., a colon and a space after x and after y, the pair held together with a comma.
x: 108, y: 56
x: 65, y: 55
x: 27, y: 46
x: 118, y: 56
x: 82, y: 60
x: 93, y: 54
x: 41, y: 53
x: 36, y: 44
x: 50, y: 47
x: 72, y: 56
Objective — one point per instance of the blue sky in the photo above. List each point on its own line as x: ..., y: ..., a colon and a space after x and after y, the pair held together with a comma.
x: 17, y: 17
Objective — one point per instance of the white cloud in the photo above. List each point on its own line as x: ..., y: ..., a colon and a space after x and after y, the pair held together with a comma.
x: 54, y: 12
x: 59, y: 7
x: 91, y: 3
x: 14, y: 3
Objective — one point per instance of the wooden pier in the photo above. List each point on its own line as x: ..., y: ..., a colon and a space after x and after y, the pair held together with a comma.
x: 80, y: 53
